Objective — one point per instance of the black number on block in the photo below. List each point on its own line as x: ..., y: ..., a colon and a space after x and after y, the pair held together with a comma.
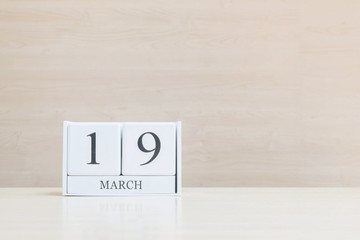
x: 93, y: 148
x: 156, y: 150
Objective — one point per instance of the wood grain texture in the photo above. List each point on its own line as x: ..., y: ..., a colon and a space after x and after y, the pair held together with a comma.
x: 268, y: 91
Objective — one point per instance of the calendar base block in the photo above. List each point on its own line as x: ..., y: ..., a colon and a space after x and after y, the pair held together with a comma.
x: 120, y: 185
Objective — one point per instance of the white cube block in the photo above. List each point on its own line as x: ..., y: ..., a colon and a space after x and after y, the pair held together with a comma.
x: 149, y: 149
x: 94, y: 149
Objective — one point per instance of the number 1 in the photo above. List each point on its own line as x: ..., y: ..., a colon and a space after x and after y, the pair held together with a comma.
x: 93, y: 148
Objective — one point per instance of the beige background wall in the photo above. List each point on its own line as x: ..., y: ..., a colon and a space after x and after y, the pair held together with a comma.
x: 268, y: 91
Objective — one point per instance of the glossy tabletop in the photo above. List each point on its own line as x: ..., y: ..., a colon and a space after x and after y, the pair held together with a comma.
x: 200, y: 213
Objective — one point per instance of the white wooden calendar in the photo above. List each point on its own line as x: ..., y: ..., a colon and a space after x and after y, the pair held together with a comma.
x: 121, y: 158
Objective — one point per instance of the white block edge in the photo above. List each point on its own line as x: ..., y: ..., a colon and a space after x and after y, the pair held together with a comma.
x: 178, y: 158
x: 65, y: 150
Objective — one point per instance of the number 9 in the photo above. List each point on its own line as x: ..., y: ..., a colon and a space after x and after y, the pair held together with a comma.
x: 156, y: 150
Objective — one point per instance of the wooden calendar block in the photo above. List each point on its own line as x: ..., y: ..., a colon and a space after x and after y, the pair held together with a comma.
x: 149, y: 149
x: 121, y: 158
x: 93, y: 149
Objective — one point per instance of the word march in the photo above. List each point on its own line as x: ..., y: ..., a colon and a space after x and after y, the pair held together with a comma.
x: 130, y: 184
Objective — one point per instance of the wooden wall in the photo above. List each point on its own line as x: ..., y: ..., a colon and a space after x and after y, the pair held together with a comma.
x: 268, y: 91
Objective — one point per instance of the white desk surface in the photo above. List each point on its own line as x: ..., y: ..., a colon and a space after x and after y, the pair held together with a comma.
x: 200, y: 213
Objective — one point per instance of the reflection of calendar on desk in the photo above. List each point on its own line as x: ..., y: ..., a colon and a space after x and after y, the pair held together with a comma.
x: 110, y: 158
